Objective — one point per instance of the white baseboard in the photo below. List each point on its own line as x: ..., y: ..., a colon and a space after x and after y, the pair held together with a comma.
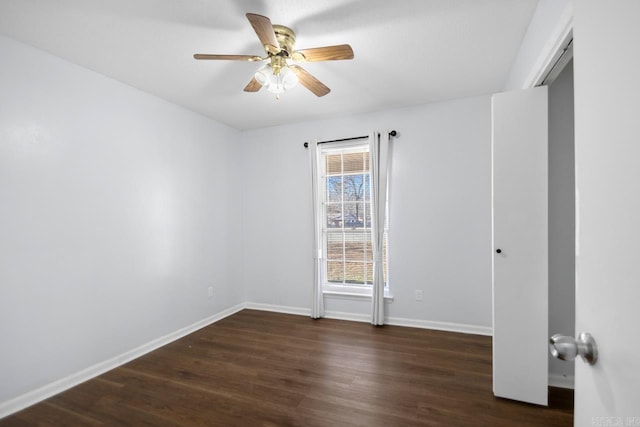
x: 366, y: 318
x: 299, y: 311
x: 562, y: 381
x: 285, y: 309
x: 30, y: 398
x: 352, y: 317
x: 441, y: 326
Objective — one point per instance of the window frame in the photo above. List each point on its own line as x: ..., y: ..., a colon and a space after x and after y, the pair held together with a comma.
x: 346, y: 290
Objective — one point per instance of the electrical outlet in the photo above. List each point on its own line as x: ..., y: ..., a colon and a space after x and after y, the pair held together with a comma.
x: 210, y: 291
x: 418, y: 294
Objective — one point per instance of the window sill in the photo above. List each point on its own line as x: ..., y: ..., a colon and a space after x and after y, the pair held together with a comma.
x: 354, y: 296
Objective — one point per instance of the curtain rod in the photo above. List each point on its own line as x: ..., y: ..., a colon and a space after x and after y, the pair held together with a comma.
x: 306, y: 144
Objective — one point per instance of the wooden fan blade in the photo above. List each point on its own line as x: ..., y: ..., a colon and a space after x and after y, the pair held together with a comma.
x: 253, y: 86
x: 310, y: 82
x: 327, y: 53
x: 264, y: 29
x: 228, y: 57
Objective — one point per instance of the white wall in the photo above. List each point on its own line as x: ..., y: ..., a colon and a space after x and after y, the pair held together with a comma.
x: 440, y: 212
x: 561, y: 218
x: 118, y: 210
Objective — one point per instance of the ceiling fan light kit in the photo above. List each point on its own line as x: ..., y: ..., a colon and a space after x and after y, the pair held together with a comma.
x: 278, y: 75
x: 276, y: 81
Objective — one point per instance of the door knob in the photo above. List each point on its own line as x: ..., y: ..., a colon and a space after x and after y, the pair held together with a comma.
x: 567, y: 348
x: 498, y: 251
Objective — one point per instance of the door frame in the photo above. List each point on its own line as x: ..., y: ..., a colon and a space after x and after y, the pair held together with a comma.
x: 551, y: 52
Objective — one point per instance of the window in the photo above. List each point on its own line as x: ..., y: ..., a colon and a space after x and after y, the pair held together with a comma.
x: 346, y: 218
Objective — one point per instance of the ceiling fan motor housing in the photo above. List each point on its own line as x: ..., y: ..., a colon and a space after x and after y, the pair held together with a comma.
x: 286, y: 38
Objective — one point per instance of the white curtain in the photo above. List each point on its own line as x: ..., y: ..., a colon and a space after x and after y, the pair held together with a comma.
x: 317, y: 300
x: 379, y: 154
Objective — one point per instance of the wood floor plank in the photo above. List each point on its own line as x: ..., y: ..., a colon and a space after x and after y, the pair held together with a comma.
x: 267, y: 369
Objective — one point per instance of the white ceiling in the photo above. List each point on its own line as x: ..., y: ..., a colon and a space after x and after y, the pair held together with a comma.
x: 407, y: 52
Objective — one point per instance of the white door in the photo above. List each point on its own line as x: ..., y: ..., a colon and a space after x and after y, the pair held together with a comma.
x: 520, y: 245
x: 607, y: 115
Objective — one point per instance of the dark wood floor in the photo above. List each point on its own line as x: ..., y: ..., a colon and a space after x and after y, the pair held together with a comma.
x: 266, y: 369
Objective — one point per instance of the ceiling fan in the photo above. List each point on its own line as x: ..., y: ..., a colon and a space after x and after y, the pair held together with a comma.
x: 278, y: 75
